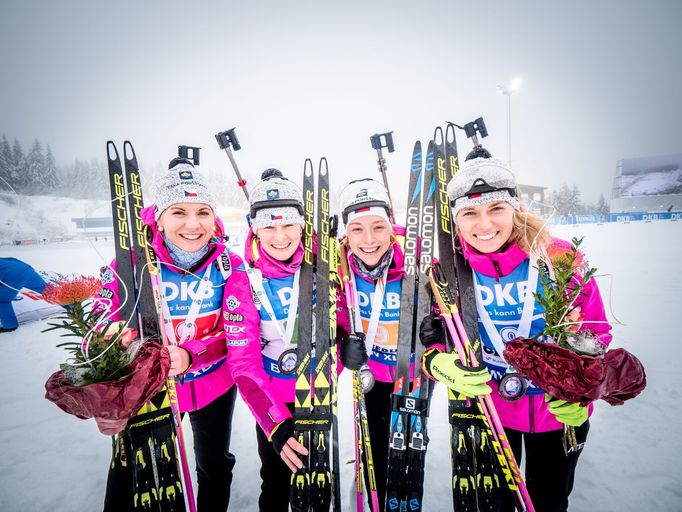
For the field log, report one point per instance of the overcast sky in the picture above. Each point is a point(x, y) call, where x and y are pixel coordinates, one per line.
point(601, 81)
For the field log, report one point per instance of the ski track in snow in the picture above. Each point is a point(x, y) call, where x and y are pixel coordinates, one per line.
point(53, 461)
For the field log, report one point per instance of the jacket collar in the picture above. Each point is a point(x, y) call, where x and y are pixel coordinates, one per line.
point(495, 264)
point(255, 256)
point(396, 270)
point(161, 251)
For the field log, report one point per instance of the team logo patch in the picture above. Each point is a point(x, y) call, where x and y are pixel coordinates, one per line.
point(272, 194)
point(232, 303)
point(107, 276)
point(225, 260)
point(185, 175)
point(106, 294)
point(235, 329)
point(361, 193)
point(233, 317)
point(237, 343)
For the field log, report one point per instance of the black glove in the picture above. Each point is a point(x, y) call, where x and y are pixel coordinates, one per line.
point(431, 330)
point(353, 351)
point(282, 435)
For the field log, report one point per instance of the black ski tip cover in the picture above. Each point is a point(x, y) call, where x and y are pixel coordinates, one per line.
point(271, 173)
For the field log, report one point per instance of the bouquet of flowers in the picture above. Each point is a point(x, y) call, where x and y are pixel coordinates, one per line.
point(567, 362)
point(110, 373)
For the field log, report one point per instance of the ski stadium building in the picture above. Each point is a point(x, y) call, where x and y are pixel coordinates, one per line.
point(648, 184)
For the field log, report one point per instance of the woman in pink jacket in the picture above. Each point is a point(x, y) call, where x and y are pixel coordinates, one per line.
point(376, 263)
point(503, 245)
point(216, 327)
point(274, 253)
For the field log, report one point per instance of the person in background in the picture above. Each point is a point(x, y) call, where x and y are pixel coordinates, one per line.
point(15, 275)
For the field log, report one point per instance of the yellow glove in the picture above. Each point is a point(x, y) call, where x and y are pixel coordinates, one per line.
point(569, 413)
point(446, 368)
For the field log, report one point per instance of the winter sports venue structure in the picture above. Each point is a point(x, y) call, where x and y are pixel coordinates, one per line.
point(648, 184)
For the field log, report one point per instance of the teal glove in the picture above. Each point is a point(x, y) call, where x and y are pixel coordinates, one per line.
point(568, 413)
point(446, 368)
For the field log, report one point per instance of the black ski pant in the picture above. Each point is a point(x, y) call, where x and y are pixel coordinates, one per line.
point(549, 470)
point(275, 475)
point(211, 430)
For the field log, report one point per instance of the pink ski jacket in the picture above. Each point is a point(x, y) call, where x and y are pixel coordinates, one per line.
point(530, 413)
point(278, 281)
point(383, 358)
point(226, 347)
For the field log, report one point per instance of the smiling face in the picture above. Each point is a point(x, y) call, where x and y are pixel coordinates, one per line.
point(187, 225)
point(369, 238)
point(486, 227)
point(280, 242)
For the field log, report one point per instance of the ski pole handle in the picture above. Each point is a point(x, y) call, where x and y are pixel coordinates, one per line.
point(379, 141)
point(382, 140)
point(227, 140)
point(189, 152)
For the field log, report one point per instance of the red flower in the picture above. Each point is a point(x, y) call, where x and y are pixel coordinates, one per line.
point(71, 290)
point(561, 256)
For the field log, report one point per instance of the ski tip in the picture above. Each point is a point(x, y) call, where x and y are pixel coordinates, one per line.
point(438, 136)
point(111, 151)
point(450, 133)
point(324, 166)
point(308, 167)
point(129, 151)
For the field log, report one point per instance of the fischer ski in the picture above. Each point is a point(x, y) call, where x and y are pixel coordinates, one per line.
point(313, 485)
point(149, 444)
point(483, 465)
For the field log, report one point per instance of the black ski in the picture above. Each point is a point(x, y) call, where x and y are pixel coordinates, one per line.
point(301, 498)
point(404, 406)
point(149, 440)
point(476, 455)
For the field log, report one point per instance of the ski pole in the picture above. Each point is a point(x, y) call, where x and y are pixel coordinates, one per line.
point(453, 322)
point(471, 129)
point(362, 426)
point(379, 141)
point(228, 140)
point(170, 388)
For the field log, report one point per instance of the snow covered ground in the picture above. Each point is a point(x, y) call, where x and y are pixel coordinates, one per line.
point(52, 461)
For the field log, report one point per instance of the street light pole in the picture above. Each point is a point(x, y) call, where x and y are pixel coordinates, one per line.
point(508, 90)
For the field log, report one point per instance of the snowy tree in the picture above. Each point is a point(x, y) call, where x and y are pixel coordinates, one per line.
point(17, 169)
point(561, 200)
point(33, 170)
point(603, 207)
point(5, 165)
point(574, 202)
point(50, 180)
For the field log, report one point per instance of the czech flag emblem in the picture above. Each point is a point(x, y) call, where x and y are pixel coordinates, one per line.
point(189, 193)
point(275, 217)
